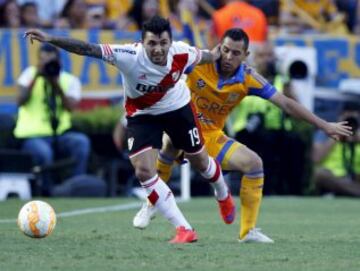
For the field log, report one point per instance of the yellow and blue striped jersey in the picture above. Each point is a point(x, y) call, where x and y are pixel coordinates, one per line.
point(214, 98)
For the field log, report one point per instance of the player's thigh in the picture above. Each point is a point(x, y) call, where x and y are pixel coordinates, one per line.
point(183, 130)
point(220, 146)
point(143, 133)
point(199, 160)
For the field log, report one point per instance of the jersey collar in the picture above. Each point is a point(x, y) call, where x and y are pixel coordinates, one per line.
point(238, 77)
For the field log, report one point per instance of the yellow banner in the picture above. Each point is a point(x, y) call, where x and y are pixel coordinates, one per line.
point(16, 54)
point(337, 57)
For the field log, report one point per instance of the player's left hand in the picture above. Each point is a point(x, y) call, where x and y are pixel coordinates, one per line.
point(36, 34)
point(336, 130)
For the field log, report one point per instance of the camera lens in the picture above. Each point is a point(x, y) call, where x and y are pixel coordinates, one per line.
point(353, 123)
point(52, 68)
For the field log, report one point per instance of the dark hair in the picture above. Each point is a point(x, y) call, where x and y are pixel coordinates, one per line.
point(48, 48)
point(23, 7)
point(3, 6)
point(156, 25)
point(237, 34)
point(66, 8)
point(135, 12)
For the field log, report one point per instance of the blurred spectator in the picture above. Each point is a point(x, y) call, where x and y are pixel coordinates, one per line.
point(357, 18)
point(338, 162)
point(48, 12)
point(47, 97)
point(269, 131)
point(9, 14)
point(118, 8)
point(73, 15)
point(108, 14)
point(29, 15)
point(357, 22)
point(243, 15)
point(96, 18)
point(207, 7)
point(322, 16)
point(185, 18)
point(349, 8)
point(143, 10)
point(271, 9)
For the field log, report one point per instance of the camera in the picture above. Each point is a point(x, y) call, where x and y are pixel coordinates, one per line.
point(352, 122)
point(52, 68)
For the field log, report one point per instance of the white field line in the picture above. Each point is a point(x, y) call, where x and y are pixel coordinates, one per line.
point(105, 209)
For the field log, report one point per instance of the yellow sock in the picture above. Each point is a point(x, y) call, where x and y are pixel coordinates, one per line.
point(250, 198)
point(164, 170)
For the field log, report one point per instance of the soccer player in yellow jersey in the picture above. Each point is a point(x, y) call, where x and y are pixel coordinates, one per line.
point(216, 89)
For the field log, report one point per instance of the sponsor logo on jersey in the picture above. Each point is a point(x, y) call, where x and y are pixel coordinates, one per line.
point(130, 143)
point(203, 119)
point(127, 51)
point(232, 98)
point(200, 84)
point(176, 75)
point(152, 89)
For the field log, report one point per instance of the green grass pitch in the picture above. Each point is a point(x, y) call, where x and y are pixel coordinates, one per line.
point(310, 234)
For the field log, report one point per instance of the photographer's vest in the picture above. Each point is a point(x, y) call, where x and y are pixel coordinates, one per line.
point(34, 115)
point(273, 115)
point(338, 160)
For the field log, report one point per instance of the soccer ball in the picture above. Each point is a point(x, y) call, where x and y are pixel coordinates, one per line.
point(36, 219)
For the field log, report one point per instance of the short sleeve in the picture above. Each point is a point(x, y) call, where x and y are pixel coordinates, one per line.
point(26, 77)
point(74, 88)
point(258, 86)
point(121, 56)
point(194, 54)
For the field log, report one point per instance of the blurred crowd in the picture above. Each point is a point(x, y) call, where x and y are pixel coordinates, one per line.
point(279, 16)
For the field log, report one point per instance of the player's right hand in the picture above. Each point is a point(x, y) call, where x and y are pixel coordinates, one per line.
point(35, 34)
point(336, 130)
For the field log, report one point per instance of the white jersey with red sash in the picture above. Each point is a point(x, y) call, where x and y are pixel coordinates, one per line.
point(150, 88)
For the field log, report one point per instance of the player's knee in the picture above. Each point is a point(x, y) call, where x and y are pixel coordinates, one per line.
point(255, 163)
point(199, 162)
point(143, 173)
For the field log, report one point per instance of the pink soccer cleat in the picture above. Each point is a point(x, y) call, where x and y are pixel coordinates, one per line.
point(184, 236)
point(227, 209)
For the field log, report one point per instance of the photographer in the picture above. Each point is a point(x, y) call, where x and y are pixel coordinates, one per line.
point(338, 162)
point(47, 97)
point(271, 132)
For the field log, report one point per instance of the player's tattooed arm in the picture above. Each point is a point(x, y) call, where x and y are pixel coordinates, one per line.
point(208, 56)
point(71, 45)
point(77, 46)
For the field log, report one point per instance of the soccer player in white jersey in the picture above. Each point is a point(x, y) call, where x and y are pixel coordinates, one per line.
point(157, 101)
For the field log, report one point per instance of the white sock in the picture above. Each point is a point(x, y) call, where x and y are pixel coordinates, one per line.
point(160, 196)
point(214, 174)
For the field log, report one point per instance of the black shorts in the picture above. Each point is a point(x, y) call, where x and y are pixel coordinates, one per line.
point(145, 131)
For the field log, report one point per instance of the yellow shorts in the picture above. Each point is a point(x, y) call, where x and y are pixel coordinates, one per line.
point(220, 146)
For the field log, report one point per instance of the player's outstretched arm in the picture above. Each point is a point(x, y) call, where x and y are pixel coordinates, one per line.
point(71, 45)
point(334, 130)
